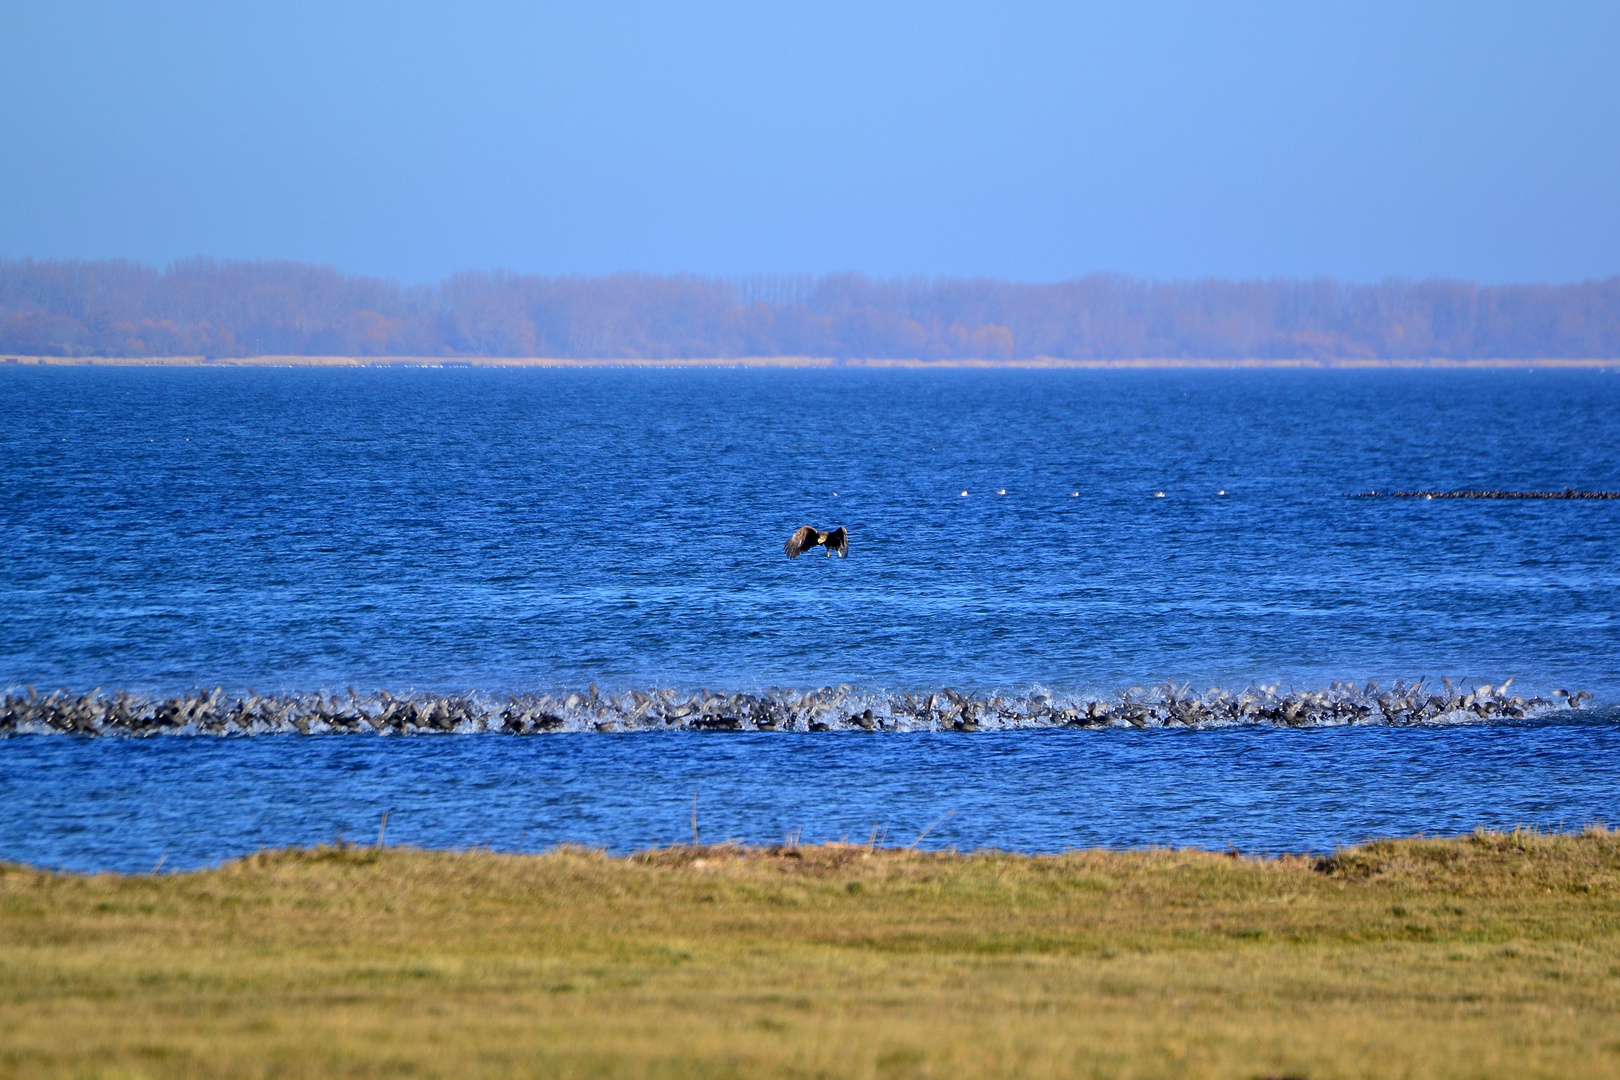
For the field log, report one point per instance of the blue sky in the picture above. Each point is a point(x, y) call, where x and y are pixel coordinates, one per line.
point(1036, 141)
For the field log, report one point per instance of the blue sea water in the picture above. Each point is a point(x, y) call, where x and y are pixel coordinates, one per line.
point(510, 530)
point(125, 804)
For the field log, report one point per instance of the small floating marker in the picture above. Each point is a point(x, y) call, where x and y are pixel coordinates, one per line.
point(1221, 492)
point(1001, 491)
point(1074, 494)
point(1158, 494)
point(964, 494)
point(835, 494)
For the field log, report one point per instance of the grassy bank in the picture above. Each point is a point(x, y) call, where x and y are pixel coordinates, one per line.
point(1491, 955)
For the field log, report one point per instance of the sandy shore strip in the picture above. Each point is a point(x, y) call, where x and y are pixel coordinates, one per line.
point(1036, 363)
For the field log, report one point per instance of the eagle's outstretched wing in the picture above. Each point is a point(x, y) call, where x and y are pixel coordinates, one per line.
point(838, 540)
point(801, 541)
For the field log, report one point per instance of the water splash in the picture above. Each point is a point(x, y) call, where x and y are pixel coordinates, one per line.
point(840, 708)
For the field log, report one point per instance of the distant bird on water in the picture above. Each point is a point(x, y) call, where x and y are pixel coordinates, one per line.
point(808, 537)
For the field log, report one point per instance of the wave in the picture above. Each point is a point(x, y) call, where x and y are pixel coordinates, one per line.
point(839, 708)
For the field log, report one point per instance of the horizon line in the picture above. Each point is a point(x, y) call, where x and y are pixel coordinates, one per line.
point(180, 263)
point(814, 362)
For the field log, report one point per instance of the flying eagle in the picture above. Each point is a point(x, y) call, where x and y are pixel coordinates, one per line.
point(808, 537)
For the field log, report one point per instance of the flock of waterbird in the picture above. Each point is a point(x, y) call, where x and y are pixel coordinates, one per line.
point(1470, 493)
point(1494, 493)
point(839, 708)
point(826, 709)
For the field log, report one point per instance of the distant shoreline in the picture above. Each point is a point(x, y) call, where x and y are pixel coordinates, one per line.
point(807, 362)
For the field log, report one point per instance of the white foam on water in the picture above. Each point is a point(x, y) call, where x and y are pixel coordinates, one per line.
point(840, 708)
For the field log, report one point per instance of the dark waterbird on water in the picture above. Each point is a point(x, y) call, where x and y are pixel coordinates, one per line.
point(1567, 493)
point(809, 536)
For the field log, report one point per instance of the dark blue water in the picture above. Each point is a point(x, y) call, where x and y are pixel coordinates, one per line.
point(511, 530)
point(455, 529)
point(126, 803)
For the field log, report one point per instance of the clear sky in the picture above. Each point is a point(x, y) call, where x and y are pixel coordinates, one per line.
point(1035, 141)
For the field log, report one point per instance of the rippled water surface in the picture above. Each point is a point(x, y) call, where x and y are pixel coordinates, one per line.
point(497, 531)
point(126, 803)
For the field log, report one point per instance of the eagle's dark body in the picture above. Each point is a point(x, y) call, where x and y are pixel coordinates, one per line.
point(808, 537)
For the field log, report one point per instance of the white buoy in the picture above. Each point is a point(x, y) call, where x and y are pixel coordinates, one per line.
point(964, 494)
point(1158, 494)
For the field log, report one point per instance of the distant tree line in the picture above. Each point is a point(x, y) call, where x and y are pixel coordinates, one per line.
point(217, 309)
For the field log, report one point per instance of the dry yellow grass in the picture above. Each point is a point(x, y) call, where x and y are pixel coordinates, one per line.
point(1490, 955)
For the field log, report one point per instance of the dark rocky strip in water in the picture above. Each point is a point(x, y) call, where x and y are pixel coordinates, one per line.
point(826, 709)
point(1567, 493)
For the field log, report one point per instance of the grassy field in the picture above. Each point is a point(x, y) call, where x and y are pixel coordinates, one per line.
point(1490, 955)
